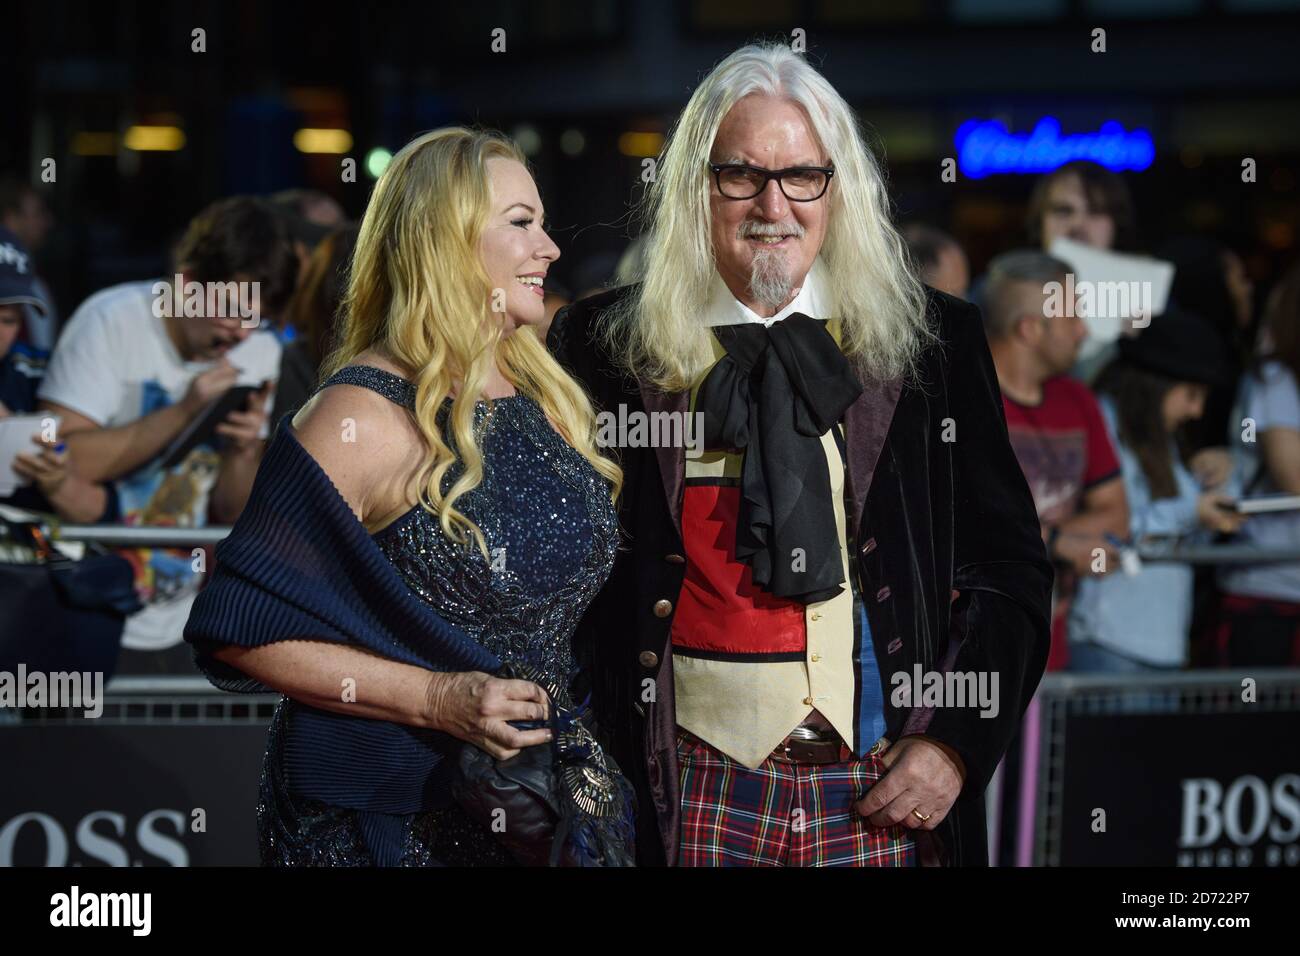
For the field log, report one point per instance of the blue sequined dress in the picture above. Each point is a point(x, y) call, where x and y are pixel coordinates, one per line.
point(551, 533)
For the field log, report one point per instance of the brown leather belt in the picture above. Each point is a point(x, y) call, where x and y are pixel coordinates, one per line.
point(827, 747)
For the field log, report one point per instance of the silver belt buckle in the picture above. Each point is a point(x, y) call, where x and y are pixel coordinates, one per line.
point(803, 732)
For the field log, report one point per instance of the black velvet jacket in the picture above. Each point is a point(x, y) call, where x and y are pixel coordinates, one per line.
point(932, 516)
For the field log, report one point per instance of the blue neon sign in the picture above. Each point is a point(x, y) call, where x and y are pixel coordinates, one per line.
point(985, 147)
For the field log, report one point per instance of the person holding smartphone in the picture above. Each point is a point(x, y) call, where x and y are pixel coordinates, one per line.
point(132, 372)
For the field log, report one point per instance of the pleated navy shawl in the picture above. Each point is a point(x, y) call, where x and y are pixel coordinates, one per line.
point(298, 565)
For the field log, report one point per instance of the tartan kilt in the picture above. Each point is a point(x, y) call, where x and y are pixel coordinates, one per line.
point(781, 814)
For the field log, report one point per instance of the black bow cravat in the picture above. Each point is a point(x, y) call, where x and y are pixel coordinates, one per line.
point(772, 396)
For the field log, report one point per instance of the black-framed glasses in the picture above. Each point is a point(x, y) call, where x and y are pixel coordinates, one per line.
point(797, 183)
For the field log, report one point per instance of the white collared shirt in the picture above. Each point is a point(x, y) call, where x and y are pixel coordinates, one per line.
point(725, 309)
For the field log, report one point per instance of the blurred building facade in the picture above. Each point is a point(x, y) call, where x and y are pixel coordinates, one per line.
point(147, 120)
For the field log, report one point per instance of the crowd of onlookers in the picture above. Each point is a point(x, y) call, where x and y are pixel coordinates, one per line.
point(1128, 446)
point(1144, 444)
point(135, 384)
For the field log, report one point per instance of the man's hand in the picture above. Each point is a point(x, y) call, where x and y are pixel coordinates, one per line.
point(208, 386)
point(921, 776)
point(243, 430)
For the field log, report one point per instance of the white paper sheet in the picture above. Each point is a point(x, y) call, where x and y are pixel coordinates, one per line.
point(1113, 289)
point(16, 434)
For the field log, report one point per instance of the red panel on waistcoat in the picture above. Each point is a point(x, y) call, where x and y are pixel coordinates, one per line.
point(720, 609)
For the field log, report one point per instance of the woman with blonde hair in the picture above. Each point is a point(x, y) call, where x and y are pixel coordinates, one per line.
point(438, 511)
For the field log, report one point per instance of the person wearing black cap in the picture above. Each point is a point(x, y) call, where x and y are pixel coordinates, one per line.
point(1140, 619)
point(21, 365)
point(25, 214)
point(1211, 280)
point(50, 483)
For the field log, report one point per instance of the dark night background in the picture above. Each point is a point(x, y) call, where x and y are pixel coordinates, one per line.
point(1214, 81)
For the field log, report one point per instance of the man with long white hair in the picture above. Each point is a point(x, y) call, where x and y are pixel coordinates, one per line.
point(832, 612)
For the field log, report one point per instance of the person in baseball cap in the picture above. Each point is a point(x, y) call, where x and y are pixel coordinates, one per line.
point(21, 367)
point(17, 277)
point(47, 481)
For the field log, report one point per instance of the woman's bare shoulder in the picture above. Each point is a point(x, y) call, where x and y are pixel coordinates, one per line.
point(363, 441)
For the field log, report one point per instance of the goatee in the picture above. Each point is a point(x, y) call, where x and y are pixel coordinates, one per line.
point(769, 279)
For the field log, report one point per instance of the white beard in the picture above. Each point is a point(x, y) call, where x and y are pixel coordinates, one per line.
point(769, 279)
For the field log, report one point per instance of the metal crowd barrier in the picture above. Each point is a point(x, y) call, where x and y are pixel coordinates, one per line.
point(166, 774)
point(142, 536)
point(134, 699)
point(145, 536)
point(1191, 768)
point(1218, 554)
point(1184, 769)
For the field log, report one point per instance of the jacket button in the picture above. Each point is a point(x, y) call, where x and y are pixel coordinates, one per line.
point(869, 545)
point(883, 593)
point(674, 559)
point(648, 659)
point(663, 608)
